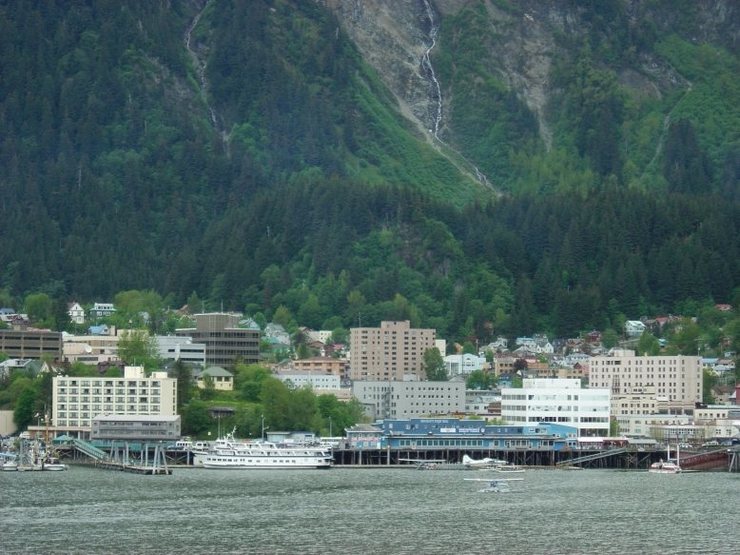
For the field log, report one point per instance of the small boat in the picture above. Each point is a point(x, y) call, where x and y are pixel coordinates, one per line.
point(53, 464)
point(9, 466)
point(668, 466)
point(509, 469)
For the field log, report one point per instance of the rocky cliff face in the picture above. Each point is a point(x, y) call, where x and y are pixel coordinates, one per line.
point(524, 39)
point(393, 36)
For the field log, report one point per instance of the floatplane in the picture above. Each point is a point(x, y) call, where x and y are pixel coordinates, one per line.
point(497, 465)
point(495, 485)
point(430, 464)
point(486, 462)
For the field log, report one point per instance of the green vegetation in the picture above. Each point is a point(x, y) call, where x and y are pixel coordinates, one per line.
point(305, 198)
point(258, 395)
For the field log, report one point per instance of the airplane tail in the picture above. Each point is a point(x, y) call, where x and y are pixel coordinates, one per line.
point(467, 459)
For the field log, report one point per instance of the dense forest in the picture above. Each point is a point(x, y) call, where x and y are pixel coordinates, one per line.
point(247, 153)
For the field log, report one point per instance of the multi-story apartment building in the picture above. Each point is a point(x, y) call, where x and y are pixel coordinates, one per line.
point(395, 399)
point(226, 343)
point(77, 400)
point(31, 344)
point(392, 352)
point(561, 401)
point(677, 379)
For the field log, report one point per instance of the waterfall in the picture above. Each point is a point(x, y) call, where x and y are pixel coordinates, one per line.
point(426, 64)
point(200, 68)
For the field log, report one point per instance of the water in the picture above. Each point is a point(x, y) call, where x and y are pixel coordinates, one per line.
point(367, 511)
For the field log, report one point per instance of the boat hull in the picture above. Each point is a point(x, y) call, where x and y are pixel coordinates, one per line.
point(240, 463)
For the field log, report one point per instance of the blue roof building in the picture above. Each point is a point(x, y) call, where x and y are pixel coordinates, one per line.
point(454, 433)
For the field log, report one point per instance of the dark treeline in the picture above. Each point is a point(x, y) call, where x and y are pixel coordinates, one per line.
point(561, 263)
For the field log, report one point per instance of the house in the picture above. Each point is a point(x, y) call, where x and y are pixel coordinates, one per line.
point(76, 313)
point(102, 329)
point(276, 336)
point(634, 328)
point(223, 380)
point(101, 310)
point(463, 364)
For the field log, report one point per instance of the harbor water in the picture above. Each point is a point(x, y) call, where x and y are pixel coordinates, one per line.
point(379, 511)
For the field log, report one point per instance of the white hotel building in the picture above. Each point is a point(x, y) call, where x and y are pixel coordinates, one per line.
point(676, 380)
point(558, 400)
point(77, 400)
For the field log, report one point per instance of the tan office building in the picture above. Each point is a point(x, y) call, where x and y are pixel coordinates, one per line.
point(675, 380)
point(226, 343)
point(392, 352)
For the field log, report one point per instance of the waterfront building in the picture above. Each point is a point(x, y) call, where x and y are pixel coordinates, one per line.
point(454, 433)
point(558, 401)
point(31, 343)
point(136, 427)
point(393, 399)
point(676, 379)
point(392, 352)
point(650, 425)
point(77, 400)
point(226, 343)
point(177, 347)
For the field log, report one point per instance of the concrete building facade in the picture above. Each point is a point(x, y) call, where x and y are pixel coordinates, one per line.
point(394, 399)
point(173, 347)
point(392, 352)
point(677, 379)
point(560, 401)
point(226, 344)
point(322, 365)
point(32, 344)
point(77, 400)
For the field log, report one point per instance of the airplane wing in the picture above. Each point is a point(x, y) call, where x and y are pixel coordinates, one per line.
point(494, 480)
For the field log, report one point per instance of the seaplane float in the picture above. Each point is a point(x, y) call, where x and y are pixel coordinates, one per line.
point(495, 485)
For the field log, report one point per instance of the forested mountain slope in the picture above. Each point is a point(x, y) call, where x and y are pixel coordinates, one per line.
point(476, 166)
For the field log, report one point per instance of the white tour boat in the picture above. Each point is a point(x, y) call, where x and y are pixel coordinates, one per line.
point(228, 453)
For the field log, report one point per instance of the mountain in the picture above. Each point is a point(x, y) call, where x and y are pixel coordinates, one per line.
point(476, 166)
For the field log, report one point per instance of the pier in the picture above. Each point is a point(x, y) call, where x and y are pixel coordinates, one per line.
point(626, 458)
point(144, 459)
point(157, 459)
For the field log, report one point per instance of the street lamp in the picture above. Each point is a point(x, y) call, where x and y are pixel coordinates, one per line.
point(330, 434)
point(262, 418)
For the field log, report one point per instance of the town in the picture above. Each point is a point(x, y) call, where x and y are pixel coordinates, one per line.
point(575, 393)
